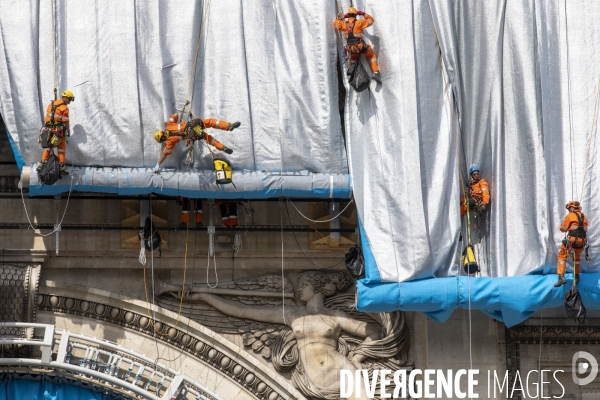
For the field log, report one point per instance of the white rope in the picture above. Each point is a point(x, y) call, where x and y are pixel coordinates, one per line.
point(57, 229)
point(470, 327)
point(208, 268)
point(142, 256)
point(237, 243)
point(325, 220)
point(282, 276)
point(152, 269)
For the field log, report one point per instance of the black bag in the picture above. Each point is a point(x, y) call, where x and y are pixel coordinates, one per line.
point(150, 236)
point(355, 262)
point(45, 135)
point(359, 79)
point(50, 173)
point(574, 306)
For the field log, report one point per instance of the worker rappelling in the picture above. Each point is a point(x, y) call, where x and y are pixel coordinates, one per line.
point(575, 226)
point(476, 199)
point(56, 130)
point(191, 131)
point(355, 45)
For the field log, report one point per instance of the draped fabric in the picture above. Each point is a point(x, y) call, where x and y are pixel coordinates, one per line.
point(40, 390)
point(518, 83)
point(510, 86)
point(272, 65)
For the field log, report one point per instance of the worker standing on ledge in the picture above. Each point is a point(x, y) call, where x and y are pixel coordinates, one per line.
point(575, 226)
point(355, 45)
point(57, 122)
point(195, 129)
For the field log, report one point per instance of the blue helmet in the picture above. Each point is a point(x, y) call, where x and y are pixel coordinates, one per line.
point(473, 168)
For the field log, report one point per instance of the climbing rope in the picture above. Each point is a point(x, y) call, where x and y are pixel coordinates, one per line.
point(153, 317)
point(318, 221)
point(592, 133)
point(193, 73)
point(282, 277)
point(57, 229)
point(339, 34)
point(463, 187)
point(572, 150)
point(208, 269)
point(53, 45)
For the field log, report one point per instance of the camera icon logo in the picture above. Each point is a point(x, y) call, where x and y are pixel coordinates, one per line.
point(590, 365)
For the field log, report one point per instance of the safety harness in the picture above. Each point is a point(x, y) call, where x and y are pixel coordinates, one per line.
point(578, 234)
point(52, 132)
point(353, 40)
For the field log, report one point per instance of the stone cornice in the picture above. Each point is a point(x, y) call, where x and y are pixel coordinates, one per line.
point(198, 342)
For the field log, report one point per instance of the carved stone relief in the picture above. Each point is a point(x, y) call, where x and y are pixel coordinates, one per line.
point(309, 337)
point(252, 381)
point(18, 291)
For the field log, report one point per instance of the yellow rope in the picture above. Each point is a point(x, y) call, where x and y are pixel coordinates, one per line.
point(182, 287)
point(193, 74)
point(592, 132)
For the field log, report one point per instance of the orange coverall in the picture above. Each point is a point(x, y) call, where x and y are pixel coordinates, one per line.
point(185, 209)
point(479, 192)
point(61, 116)
point(357, 26)
point(228, 213)
point(571, 223)
point(176, 128)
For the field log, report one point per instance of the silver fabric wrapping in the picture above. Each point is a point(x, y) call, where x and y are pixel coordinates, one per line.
point(523, 78)
point(270, 64)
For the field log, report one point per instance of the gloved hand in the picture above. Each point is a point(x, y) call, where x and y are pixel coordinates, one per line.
point(482, 208)
point(227, 150)
point(233, 125)
point(157, 169)
point(360, 13)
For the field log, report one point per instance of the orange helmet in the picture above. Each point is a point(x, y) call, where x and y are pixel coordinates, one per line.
point(352, 10)
point(574, 204)
point(173, 118)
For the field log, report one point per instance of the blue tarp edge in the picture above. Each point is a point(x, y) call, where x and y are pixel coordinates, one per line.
point(500, 298)
point(20, 161)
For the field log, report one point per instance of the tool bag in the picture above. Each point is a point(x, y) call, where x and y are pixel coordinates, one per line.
point(358, 77)
point(355, 262)
point(50, 173)
point(223, 170)
point(574, 306)
point(150, 236)
point(45, 135)
point(469, 262)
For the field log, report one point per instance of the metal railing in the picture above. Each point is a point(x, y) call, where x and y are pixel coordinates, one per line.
point(105, 363)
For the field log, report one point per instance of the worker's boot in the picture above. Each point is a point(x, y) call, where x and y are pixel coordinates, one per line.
point(63, 169)
point(227, 150)
point(41, 166)
point(377, 76)
point(234, 125)
point(576, 279)
point(561, 281)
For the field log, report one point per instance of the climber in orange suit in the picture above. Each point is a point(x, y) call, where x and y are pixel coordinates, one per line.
point(57, 120)
point(355, 44)
point(575, 226)
point(478, 193)
point(176, 131)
